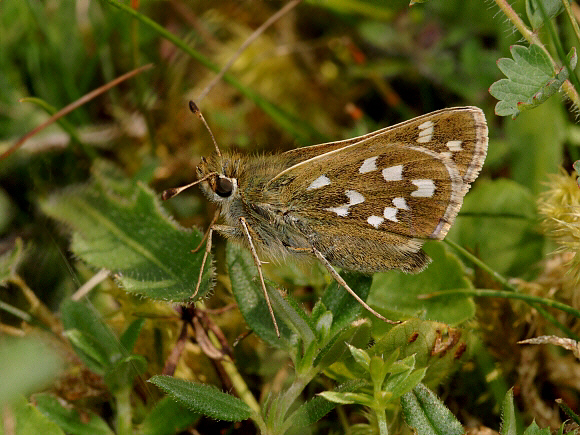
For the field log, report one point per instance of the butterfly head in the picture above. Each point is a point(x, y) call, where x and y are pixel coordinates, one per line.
point(219, 176)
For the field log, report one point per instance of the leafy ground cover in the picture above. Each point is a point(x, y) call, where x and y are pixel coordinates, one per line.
point(95, 336)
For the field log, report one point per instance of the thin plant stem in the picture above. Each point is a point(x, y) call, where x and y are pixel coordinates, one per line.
point(575, 26)
point(382, 421)
point(558, 44)
point(533, 38)
point(491, 293)
point(279, 14)
point(72, 106)
point(298, 128)
point(503, 281)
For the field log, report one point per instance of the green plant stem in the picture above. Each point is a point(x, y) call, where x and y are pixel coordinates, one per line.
point(292, 393)
point(502, 280)
point(298, 128)
point(382, 421)
point(238, 382)
point(123, 423)
point(566, 4)
point(557, 43)
point(533, 38)
point(490, 293)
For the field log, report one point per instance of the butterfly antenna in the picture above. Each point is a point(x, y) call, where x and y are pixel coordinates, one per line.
point(195, 110)
point(170, 193)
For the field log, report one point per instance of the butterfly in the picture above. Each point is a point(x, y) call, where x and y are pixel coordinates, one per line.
point(364, 204)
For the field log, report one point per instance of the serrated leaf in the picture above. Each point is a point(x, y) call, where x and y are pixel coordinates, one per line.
point(508, 415)
point(205, 399)
point(167, 418)
point(427, 414)
point(69, 419)
point(397, 294)
point(530, 81)
point(534, 429)
point(133, 238)
point(552, 9)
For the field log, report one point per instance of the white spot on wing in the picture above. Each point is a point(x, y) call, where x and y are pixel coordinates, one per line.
point(425, 131)
point(321, 181)
point(340, 211)
point(369, 165)
point(425, 188)
point(400, 203)
point(393, 173)
point(390, 213)
point(353, 198)
point(375, 221)
point(454, 145)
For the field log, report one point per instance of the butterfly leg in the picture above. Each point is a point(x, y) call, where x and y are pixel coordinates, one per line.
point(211, 225)
point(343, 283)
point(205, 255)
point(259, 266)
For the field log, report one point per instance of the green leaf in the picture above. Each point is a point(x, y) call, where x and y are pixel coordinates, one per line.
point(398, 292)
point(123, 372)
point(167, 418)
point(250, 298)
point(316, 408)
point(503, 214)
point(205, 399)
point(427, 415)
point(534, 429)
point(537, 139)
point(552, 8)
point(432, 345)
point(29, 421)
point(360, 356)
point(357, 335)
point(27, 364)
point(531, 80)
point(129, 337)
point(347, 398)
point(10, 260)
point(508, 415)
point(344, 307)
point(133, 238)
point(69, 419)
point(94, 341)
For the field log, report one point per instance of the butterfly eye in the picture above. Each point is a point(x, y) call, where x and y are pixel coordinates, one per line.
point(224, 187)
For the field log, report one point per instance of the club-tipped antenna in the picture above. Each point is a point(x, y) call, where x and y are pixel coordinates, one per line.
point(195, 110)
point(170, 193)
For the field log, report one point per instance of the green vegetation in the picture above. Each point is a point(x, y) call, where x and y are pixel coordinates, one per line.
point(95, 337)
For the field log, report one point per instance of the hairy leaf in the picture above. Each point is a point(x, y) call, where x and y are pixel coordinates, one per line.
point(427, 414)
point(133, 238)
point(530, 81)
point(205, 399)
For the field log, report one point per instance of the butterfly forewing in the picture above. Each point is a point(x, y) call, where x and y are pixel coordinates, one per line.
point(369, 202)
point(458, 133)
